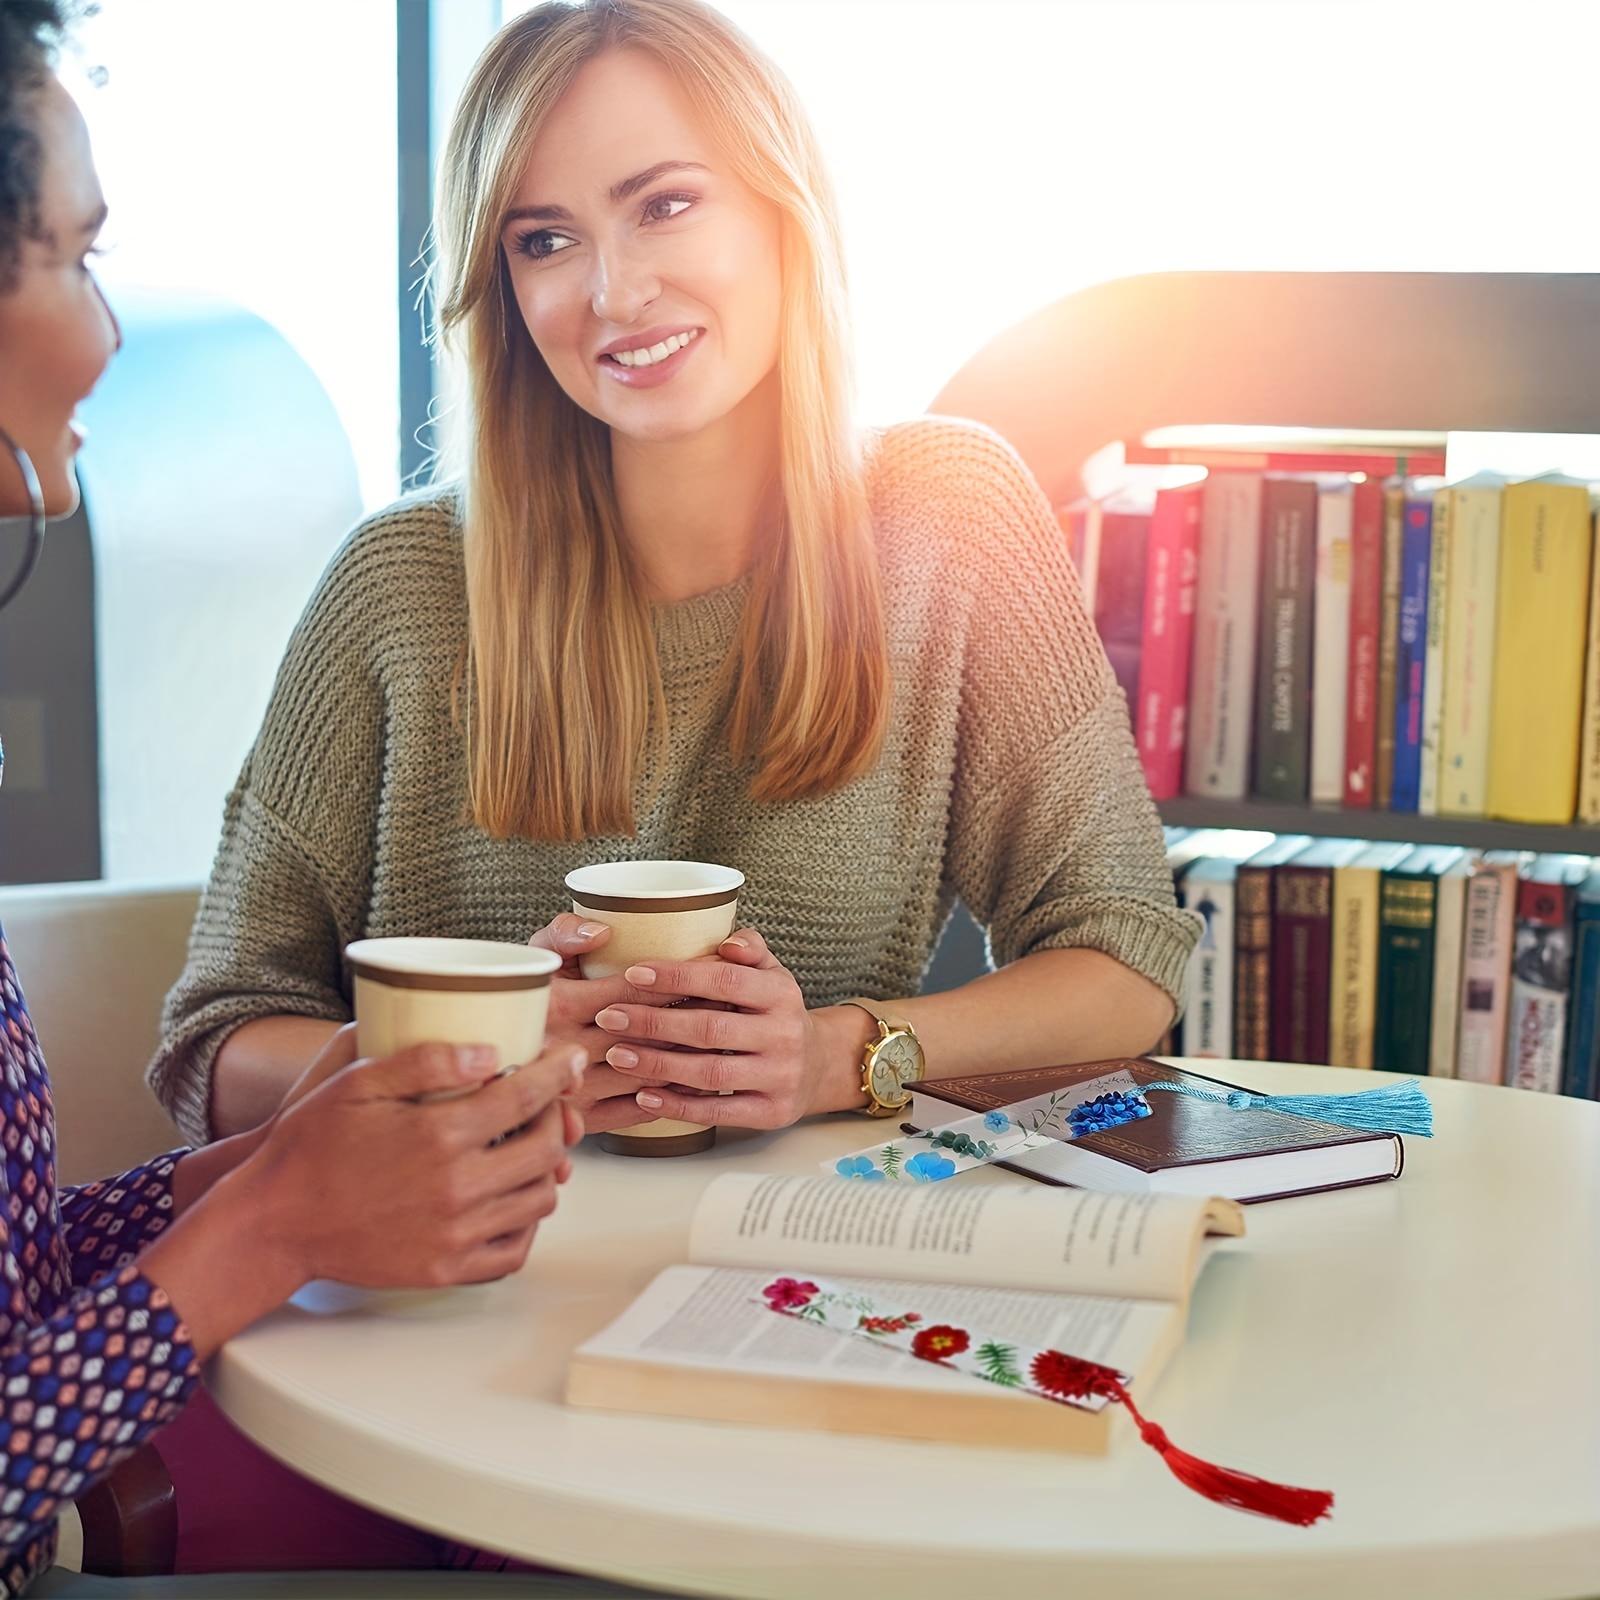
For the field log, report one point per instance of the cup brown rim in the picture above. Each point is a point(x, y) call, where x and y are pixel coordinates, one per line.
point(451, 982)
point(647, 904)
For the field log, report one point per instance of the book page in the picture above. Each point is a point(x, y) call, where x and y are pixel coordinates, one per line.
point(1015, 1236)
point(711, 1317)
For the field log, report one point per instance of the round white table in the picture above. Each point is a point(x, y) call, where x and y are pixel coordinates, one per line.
point(1429, 1349)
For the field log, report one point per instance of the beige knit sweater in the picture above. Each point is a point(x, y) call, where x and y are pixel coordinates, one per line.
point(1008, 778)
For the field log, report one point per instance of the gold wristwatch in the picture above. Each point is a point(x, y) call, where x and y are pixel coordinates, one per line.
point(890, 1064)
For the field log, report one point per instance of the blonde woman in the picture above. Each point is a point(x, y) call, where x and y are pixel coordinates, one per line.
point(674, 604)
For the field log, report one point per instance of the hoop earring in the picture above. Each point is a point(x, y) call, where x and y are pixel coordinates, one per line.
point(36, 524)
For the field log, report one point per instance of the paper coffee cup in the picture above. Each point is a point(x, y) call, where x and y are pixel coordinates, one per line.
point(451, 991)
point(663, 911)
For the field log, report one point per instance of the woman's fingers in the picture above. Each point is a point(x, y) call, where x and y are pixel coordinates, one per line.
point(751, 987)
point(746, 1110)
point(688, 1027)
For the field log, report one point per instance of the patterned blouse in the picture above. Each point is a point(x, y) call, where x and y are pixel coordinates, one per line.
point(92, 1355)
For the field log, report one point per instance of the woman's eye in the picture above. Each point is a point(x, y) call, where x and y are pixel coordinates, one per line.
point(541, 243)
point(663, 206)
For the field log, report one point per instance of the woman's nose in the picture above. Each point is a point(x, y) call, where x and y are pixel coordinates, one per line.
point(111, 316)
point(622, 285)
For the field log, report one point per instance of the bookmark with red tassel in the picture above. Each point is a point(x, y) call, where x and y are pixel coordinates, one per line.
point(1046, 1374)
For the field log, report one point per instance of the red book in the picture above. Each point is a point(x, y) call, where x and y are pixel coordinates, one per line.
point(1172, 566)
point(1302, 949)
point(1366, 608)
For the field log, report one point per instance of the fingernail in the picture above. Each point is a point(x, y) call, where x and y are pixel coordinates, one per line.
point(640, 977)
point(587, 930)
point(621, 1056)
point(474, 1060)
point(738, 944)
point(611, 1018)
point(577, 1062)
point(650, 1101)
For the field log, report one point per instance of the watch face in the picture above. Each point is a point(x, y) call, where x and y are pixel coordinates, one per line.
point(898, 1062)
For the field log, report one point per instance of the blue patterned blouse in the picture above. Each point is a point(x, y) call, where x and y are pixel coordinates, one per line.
point(92, 1355)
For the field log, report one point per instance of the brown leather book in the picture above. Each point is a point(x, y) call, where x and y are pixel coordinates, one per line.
point(1302, 950)
point(1252, 947)
point(1185, 1145)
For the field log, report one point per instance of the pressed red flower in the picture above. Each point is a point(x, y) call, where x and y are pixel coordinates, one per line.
point(939, 1343)
point(789, 1294)
point(1070, 1377)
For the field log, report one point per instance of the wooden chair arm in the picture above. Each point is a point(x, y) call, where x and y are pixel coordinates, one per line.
point(130, 1519)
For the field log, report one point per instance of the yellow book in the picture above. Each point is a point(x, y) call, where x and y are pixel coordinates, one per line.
point(1353, 971)
point(1469, 645)
point(1540, 633)
point(1589, 755)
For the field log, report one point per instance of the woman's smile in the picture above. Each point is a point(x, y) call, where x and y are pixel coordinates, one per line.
point(647, 360)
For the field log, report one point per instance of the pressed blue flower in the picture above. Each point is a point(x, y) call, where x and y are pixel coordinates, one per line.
point(858, 1167)
point(1106, 1111)
point(996, 1121)
point(927, 1167)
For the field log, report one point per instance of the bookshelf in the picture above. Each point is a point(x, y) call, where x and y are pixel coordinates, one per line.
point(1402, 352)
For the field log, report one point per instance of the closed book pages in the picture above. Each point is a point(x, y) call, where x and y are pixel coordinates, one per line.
point(1394, 505)
point(1411, 644)
point(1330, 643)
point(1185, 1145)
point(1353, 979)
point(1582, 1074)
point(1302, 948)
point(1167, 640)
point(1589, 741)
point(1540, 632)
point(1449, 932)
point(1283, 672)
point(1541, 972)
point(1467, 682)
point(1407, 906)
point(1366, 608)
point(1120, 587)
point(1252, 947)
point(1433, 658)
point(1222, 682)
point(1491, 908)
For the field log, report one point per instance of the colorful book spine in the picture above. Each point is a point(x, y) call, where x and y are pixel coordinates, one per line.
point(1366, 611)
point(1302, 949)
point(1353, 976)
point(1283, 681)
point(1119, 591)
point(1388, 642)
point(1582, 1072)
point(1540, 633)
point(1330, 643)
point(1407, 906)
point(1468, 677)
point(1209, 891)
point(1449, 935)
point(1167, 638)
point(1433, 663)
point(1411, 643)
point(1217, 763)
point(1491, 902)
point(1589, 744)
point(1541, 973)
point(1252, 947)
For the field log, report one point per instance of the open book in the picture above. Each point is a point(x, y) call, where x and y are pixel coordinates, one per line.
point(1101, 1276)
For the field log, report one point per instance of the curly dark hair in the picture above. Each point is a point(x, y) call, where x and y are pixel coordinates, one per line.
point(30, 32)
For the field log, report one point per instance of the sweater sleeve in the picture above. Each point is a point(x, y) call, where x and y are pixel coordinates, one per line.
point(291, 880)
point(1055, 842)
point(82, 1391)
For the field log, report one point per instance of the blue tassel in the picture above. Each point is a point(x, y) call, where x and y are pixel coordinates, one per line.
point(1394, 1108)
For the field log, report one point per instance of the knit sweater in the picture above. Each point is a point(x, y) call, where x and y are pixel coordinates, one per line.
point(1008, 775)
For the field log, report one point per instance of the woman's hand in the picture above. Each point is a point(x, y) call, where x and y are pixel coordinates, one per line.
point(764, 1060)
point(605, 1097)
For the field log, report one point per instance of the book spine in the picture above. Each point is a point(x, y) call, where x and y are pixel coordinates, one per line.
point(1208, 984)
point(1167, 637)
point(1353, 978)
point(1468, 680)
point(1589, 749)
point(1330, 641)
point(1302, 937)
point(1283, 684)
point(1119, 597)
point(1388, 644)
point(1252, 964)
point(1411, 642)
point(1366, 609)
point(1541, 630)
point(1405, 973)
point(1486, 973)
point(1217, 762)
point(1433, 661)
point(1448, 927)
point(1582, 1073)
point(1541, 973)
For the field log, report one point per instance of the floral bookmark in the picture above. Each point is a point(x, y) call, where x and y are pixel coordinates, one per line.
point(1044, 1374)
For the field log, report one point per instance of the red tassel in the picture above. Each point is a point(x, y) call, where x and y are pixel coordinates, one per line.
point(1241, 1490)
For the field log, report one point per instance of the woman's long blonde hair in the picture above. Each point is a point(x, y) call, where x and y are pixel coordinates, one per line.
point(563, 686)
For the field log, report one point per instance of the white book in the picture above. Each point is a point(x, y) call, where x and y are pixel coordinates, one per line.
point(1330, 636)
point(1467, 680)
point(1208, 889)
point(1433, 656)
point(1449, 937)
point(1491, 903)
point(1222, 680)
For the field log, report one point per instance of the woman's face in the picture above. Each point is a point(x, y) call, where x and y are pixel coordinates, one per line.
point(648, 274)
point(56, 331)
